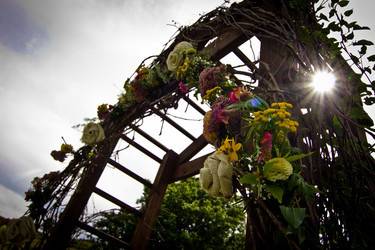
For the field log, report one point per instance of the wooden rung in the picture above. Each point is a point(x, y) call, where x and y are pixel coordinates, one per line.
point(102, 235)
point(192, 149)
point(244, 59)
point(188, 169)
point(130, 173)
point(140, 148)
point(150, 138)
point(116, 201)
point(193, 104)
point(173, 123)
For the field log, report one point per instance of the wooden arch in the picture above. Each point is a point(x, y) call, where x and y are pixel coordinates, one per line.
point(282, 57)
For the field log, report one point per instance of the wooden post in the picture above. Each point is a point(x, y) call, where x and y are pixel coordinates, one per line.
point(144, 227)
point(61, 234)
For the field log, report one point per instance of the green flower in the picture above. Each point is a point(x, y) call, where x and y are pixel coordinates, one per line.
point(92, 134)
point(277, 169)
point(176, 57)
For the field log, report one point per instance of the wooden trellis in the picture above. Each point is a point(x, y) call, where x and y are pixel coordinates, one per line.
point(217, 34)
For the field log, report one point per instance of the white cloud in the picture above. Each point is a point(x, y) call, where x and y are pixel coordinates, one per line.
point(11, 203)
point(89, 49)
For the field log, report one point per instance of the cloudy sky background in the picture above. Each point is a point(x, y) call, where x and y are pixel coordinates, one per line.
point(60, 59)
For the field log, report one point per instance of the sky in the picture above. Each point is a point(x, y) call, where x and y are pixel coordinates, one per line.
point(60, 59)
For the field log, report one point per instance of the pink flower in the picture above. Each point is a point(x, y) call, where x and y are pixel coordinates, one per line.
point(239, 94)
point(209, 78)
point(182, 88)
point(265, 147)
point(232, 97)
point(219, 113)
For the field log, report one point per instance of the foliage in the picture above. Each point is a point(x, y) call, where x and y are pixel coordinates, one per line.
point(264, 147)
point(17, 234)
point(189, 218)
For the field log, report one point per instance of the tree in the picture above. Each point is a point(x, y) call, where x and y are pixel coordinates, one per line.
point(189, 218)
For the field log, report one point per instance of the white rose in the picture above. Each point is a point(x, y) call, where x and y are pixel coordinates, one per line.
point(92, 134)
point(216, 175)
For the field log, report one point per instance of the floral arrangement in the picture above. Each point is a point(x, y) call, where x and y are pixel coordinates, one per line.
point(249, 135)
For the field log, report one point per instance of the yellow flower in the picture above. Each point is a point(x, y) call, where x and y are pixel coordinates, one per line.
point(66, 148)
point(211, 93)
point(282, 105)
point(181, 70)
point(230, 147)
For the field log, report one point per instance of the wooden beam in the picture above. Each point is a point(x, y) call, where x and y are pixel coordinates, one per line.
point(61, 233)
point(144, 227)
point(224, 44)
point(103, 235)
point(245, 59)
point(189, 169)
point(150, 138)
point(193, 104)
point(130, 173)
point(140, 148)
point(116, 201)
point(173, 123)
point(192, 149)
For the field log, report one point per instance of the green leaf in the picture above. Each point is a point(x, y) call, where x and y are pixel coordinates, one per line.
point(323, 17)
point(249, 179)
point(294, 216)
point(363, 50)
point(369, 100)
point(354, 58)
point(276, 191)
point(358, 27)
point(350, 36)
point(343, 3)
point(371, 58)
point(298, 157)
point(363, 42)
point(319, 8)
point(358, 114)
point(348, 12)
point(332, 13)
point(334, 26)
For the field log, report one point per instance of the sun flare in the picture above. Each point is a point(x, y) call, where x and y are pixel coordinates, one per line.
point(323, 82)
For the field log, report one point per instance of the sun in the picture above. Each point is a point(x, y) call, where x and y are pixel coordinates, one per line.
point(323, 82)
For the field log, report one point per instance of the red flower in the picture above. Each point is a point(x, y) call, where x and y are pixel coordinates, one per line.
point(182, 88)
point(265, 147)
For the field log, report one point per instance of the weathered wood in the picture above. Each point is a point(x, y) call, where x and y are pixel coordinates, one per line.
point(194, 105)
point(188, 169)
point(173, 123)
point(130, 173)
point(224, 44)
point(61, 234)
point(140, 148)
point(150, 138)
point(144, 227)
point(245, 59)
point(103, 235)
point(192, 149)
point(116, 201)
